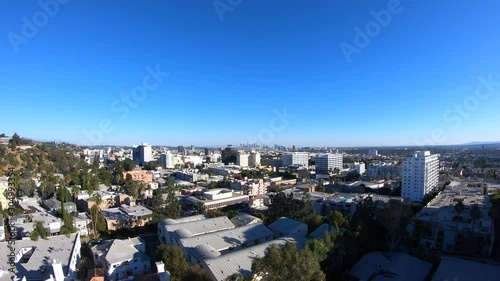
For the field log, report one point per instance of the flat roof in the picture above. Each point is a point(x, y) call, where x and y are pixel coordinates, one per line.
point(230, 238)
point(38, 266)
point(459, 269)
point(240, 261)
point(202, 226)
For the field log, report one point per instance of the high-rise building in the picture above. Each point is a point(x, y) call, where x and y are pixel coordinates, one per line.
point(254, 159)
point(295, 159)
point(142, 153)
point(167, 160)
point(420, 175)
point(242, 159)
point(181, 150)
point(326, 163)
point(373, 152)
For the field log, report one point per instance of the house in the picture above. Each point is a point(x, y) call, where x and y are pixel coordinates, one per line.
point(122, 258)
point(390, 266)
point(322, 230)
point(53, 205)
point(288, 227)
point(38, 260)
point(126, 216)
point(81, 222)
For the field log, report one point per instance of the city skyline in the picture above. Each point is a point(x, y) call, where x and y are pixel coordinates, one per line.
point(301, 74)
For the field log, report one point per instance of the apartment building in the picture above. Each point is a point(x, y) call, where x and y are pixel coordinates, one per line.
point(327, 163)
point(444, 227)
point(295, 159)
point(420, 175)
point(254, 159)
point(242, 159)
point(383, 170)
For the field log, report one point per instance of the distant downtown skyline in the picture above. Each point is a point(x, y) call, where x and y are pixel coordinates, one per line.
point(331, 73)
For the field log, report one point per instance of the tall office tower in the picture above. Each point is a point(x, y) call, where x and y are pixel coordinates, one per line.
point(295, 159)
point(254, 159)
point(207, 152)
point(181, 150)
point(142, 153)
point(420, 175)
point(326, 163)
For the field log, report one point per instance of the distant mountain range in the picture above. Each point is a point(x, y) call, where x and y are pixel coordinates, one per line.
point(482, 143)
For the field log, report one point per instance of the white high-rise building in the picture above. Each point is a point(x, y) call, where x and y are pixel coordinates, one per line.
point(167, 160)
point(145, 153)
point(242, 159)
point(254, 159)
point(420, 175)
point(295, 159)
point(326, 163)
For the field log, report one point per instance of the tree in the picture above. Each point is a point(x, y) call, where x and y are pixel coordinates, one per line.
point(172, 206)
point(287, 263)
point(26, 187)
point(128, 164)
point(459, 208)
point(286, 206)
point(68, 227)
point(75, 191)
point(475, 214)
point(173, 259)
point(98, 222)
point(105, 177)
point(39, 231)
point(195, 273)
point(48, 189)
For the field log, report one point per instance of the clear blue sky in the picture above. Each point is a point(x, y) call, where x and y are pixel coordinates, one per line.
point(227, 76)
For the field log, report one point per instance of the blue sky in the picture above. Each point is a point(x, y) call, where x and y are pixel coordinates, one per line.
point(227, 77)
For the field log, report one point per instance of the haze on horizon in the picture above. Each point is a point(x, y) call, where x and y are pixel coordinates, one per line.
point(341, 73)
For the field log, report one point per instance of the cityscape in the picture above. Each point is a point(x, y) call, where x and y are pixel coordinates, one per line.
point(237, 140)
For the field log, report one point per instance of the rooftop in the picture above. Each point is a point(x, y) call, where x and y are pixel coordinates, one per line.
point(193, 228)
point(38, 266)
point(458, 269)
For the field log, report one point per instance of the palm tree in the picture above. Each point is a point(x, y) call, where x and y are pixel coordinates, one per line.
point(75, 191)
point(459, 208)
point(94, 212)
point(475, 214)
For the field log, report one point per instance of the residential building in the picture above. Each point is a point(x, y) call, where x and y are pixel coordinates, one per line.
point(458, 269)
point(242, 159)
point(122, 258)
point(254, 159)
point(218, 198)
point(171, 231)
point(191, 175)
point(55, 258)
point(295, 159)
point(140, 175)
point(4, 186)
point(373, 152)
point(420, 175)
point(390, 266)
point(198, 248)
point(53, 205)
point(240, 262)
point(243, 219)
point(441, 227)
point(250, 187)
point(285, 227)
point(142, 153)
point(167, 160)
point(383, 171)
point(82, 222)
point(327, 163)
point(126, 216)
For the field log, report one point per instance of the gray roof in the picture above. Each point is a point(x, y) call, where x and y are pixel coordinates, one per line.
point(116, 251)
point(239, 261)
point(378, 266)
point(243, 219)
point(230, 238)
point(321, 230)
point(202, 226)
point(286, 225)
point(38, 267)
point(137, 211)
point(458, 269)
point(184, 219)
point(114, 214)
